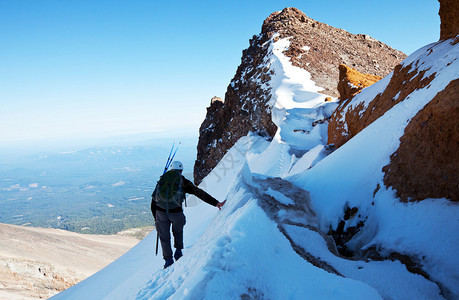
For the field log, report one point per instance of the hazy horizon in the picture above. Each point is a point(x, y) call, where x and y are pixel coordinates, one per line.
point(9, 152)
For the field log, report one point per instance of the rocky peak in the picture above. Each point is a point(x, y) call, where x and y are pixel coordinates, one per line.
point(320, 48)
point(290, 16)
point(316, 47)
point(449, 17)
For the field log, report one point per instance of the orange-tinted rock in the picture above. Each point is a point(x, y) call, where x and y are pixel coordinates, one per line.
point(348, 120)
point(352, 81)
point(426, 163)
point(449, 17)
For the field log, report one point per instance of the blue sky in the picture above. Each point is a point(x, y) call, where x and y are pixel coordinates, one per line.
point(71, 69)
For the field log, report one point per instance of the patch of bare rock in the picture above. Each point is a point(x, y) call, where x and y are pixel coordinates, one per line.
point(36, 263)
point(427, 162)
point(449, 17)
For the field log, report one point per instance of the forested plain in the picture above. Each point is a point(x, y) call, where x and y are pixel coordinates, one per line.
point(98, 190)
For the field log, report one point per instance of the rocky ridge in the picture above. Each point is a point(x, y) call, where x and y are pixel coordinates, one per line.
point(427, 149)
point(315, 47)
point(354, 115)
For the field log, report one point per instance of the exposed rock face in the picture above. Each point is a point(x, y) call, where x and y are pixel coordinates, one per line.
point(351, 81)
point(427, 162)
point(314, 46)
point(349, 118)
point(244, 109)
point(449, 16)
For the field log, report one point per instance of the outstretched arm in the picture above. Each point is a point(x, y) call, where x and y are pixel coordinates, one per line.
point(190, 188)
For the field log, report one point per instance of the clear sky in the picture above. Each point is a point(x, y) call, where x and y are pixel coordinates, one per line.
point(97, 68)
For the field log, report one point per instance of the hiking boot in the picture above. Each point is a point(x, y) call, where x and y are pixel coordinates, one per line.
point(169, 262)
point(178, 254)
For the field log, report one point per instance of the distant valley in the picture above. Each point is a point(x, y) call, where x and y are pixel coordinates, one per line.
point(97, 190)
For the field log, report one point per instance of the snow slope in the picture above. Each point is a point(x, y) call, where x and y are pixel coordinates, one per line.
point(426, 230)
point(269, 241)
point(223, 258)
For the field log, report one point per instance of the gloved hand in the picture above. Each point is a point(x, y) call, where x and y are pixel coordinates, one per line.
point(220, 204)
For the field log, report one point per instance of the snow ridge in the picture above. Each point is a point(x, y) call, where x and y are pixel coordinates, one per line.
point(270, 240)
point(297, 106)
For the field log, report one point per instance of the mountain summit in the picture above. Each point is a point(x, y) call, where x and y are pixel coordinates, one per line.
point(313, 46)
point(305, 218)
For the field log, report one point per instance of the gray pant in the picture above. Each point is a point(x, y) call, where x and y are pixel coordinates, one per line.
point(163, 225)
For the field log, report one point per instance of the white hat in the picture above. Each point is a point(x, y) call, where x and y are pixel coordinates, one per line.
point(176, 165)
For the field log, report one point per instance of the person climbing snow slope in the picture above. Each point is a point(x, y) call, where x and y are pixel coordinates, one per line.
point(166, 206)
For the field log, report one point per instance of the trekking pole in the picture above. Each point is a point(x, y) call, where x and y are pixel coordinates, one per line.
point(157, 240)
point(168, 163)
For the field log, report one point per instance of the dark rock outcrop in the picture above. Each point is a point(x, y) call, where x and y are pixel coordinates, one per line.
point(314, 46)
point(449, 17)
point(244, 109)
point(427, 162)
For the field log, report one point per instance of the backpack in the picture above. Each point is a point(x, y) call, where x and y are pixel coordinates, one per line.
point(168, 193)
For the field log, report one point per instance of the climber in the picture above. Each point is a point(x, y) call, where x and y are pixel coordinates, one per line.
point(166, 206)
